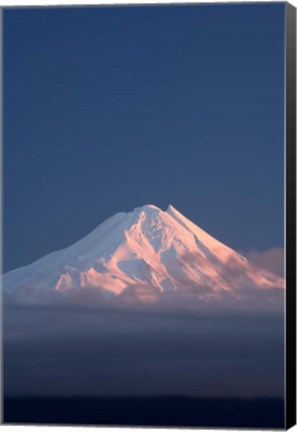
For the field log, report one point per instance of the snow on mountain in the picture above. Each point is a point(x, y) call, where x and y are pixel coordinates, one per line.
point(141, 255)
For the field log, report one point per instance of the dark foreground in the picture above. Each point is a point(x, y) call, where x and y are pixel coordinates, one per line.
point(147, 411)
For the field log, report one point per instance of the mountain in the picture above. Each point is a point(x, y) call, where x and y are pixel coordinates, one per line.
point(141, 256)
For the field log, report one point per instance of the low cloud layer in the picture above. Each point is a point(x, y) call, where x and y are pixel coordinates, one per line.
point(83, 352)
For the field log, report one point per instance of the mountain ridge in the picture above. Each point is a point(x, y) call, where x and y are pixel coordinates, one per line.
point(141, 255)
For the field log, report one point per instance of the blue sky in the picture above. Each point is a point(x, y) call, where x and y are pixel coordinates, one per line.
point(106, 109)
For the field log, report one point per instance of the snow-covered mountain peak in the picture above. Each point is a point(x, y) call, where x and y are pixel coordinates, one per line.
point(147, 208)
point(171, 209)
point(148, 249)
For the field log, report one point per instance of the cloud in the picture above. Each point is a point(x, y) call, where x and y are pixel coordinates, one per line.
point(85, 352)
point(178, 345)
point(271, 259)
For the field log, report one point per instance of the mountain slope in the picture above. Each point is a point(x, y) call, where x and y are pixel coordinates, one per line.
point(141, 255)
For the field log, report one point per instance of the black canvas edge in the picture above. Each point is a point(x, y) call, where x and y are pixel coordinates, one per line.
point(1, 221)
point(290, 233)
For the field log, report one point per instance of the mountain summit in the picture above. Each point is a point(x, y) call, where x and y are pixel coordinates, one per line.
point(146, 251)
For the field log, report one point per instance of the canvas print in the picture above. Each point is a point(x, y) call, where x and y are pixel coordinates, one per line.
point(143, 278)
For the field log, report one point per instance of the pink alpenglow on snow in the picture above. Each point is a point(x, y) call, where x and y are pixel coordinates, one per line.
point(143, 256)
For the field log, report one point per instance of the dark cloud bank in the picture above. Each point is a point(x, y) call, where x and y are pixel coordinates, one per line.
point(202, 353)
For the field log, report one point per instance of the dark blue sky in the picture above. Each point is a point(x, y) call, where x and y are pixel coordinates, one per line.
point(106, 109)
